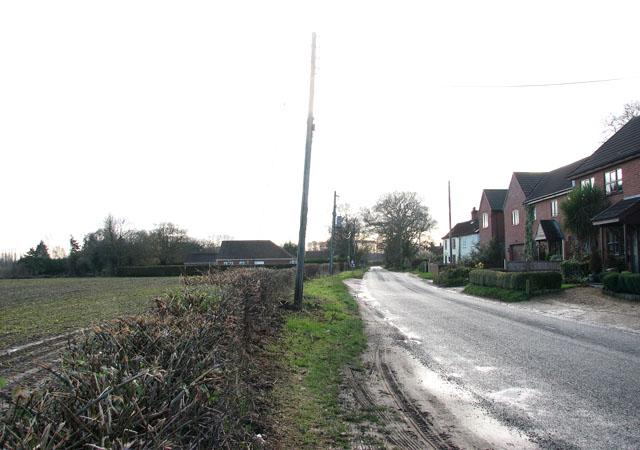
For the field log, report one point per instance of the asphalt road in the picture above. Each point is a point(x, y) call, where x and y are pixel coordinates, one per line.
point(565, 384)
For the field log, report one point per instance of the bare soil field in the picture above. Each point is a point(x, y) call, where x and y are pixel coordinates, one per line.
point(39, 316)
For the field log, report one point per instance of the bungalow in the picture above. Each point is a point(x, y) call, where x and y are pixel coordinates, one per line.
point(464, 237)
point(615, 168)
point(253, 253)
point(201, 259)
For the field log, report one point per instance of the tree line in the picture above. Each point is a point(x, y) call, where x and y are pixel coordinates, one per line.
point(113, 245)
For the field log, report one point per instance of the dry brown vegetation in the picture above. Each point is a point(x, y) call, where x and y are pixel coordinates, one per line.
point(192, 373)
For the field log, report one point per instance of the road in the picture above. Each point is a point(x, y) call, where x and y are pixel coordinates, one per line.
point(562, 384)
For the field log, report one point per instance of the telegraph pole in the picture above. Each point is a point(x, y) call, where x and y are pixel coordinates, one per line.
point(333, 232)
point(305, 184)
point(450, 238)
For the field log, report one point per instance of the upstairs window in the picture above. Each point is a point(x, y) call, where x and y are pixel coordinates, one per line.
point(554, 208)
point(454, 243)
point(485, 220)
point(535, 215)
point(613, 181)
point(587, 182)
point(515, 217)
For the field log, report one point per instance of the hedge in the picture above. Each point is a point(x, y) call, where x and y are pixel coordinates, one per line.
point(574, 271)
point(516, 281)
point(622, 282)
point(453, 277)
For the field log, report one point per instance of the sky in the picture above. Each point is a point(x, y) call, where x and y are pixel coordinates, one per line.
point(195, 112)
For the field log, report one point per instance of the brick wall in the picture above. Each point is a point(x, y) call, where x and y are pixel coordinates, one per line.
point(513, 234)
point(495, 227)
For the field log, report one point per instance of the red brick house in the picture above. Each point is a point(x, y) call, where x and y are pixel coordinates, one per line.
point(253, 253)
point(546, 197)
point(520, 187)
point(615, 168)
point(491, 215)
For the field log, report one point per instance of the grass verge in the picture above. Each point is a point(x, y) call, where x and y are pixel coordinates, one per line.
point(318, 340)
point(36, 308)
point(506, 295)
point(425, 275)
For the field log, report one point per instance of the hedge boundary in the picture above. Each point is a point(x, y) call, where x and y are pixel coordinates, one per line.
point(517, 281)
point(628, 283)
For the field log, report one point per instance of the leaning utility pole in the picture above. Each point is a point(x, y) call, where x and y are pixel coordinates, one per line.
point(333, 232)
point(305, 184)
point(450, 237)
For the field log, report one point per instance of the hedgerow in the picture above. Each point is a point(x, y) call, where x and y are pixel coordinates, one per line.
point(183, 376)
point(538, 281)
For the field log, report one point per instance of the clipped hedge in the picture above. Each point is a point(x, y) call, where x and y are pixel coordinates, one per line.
point(516, 281)
point(574, 271)
point(453, 277)
point(622, 282)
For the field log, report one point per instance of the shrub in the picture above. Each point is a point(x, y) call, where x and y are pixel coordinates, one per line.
point(458, 276)
point(595, 263)
point(622, 282)
point(574, 271)
point(517, 281)
point(497, 293)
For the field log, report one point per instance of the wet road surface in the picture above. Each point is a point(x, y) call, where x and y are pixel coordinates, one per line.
point(565, 384)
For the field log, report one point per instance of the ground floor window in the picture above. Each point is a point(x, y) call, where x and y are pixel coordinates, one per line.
point(614, 241)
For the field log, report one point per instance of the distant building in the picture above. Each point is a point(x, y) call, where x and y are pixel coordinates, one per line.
point(464, 237)
point(253, 253)
point(201, 259)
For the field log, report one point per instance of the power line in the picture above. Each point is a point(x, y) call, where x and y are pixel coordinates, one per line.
point(567, 83)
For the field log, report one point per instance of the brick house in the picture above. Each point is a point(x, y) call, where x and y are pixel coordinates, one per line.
point(464, 237)
point(520, 187)
point(546, 197)
point(253, 253)
point(615, 168)
point(491, 216)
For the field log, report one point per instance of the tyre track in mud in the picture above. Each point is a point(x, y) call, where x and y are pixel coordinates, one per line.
point(22, 366)
point(404, 426)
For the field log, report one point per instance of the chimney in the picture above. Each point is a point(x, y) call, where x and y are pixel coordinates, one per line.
point(474, 214)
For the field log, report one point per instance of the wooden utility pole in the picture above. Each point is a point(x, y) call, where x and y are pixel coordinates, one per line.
point(333, 232)
point(305, 184)
point(450, 237)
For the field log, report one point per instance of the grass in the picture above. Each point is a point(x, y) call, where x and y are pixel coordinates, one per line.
point(318, 340)
point(425, 275)
point(36, 308)
point(569, 285)
point(506, 295)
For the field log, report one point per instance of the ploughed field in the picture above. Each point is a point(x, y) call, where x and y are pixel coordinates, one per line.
point(34, 309)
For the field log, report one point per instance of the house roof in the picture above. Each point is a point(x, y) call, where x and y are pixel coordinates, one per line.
point(623, 145)
point(618, 211)
point(252, 250)
point(201, 258)
point(548, 230)
point(496, 198)
point(528, 180)
point(464, 229)
point(555, 182)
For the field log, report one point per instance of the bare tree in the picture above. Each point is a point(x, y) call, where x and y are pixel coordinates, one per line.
point(401, 222)
point(613, 123)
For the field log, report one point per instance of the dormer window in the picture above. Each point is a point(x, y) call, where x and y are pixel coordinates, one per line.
point(613, 181)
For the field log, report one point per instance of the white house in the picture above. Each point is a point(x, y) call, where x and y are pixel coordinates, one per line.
point(464, 237)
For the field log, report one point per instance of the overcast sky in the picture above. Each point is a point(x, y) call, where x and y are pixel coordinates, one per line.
point(195, 112)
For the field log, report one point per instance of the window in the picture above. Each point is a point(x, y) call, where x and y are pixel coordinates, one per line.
point(515, 217)
point(464, 243)
point(614, 241)
point(485, 220)
point(454, 243)
point(554, 208)
point(613, 181)
point(587, 182)
point(534, 213)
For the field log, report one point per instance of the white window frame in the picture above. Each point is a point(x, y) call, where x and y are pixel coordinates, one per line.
point(535, 215)
point(515, 217)
point(588, 182)
point(485, 220)
point(613, 181)
point(554, 208)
